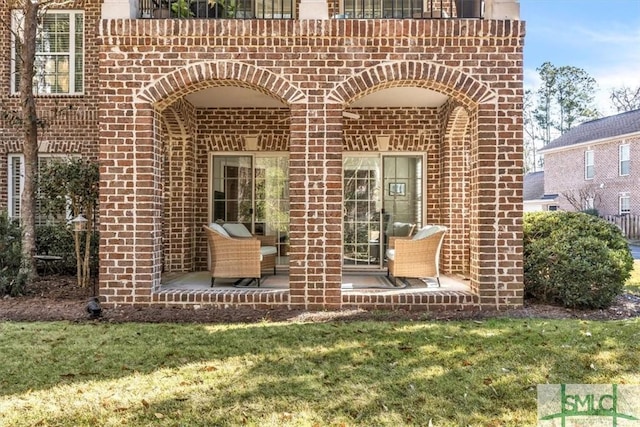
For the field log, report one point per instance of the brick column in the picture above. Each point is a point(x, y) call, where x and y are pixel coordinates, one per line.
point(315, 169)
point(502, 9)
point(496, 208)
point(119, 9)
point(313, 9)
point(130, 203)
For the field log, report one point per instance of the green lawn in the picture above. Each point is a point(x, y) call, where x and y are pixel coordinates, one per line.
point(633, 284)
point(296, 374)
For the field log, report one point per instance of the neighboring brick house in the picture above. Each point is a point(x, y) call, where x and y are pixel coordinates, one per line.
point(311, 128)
point(533, 195)
point(597, 165)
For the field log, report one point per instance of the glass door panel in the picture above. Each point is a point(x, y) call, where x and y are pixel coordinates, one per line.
point(382, 198)
point(232, 190)
point(361, 241)
point(272, 200)
point(254, 191)
point(402, 204)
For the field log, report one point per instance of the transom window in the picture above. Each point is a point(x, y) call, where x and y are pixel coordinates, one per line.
point(59, 62)
point(624, 159)
point(589, 169)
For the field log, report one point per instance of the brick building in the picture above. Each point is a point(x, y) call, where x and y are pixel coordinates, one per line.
point(595, 165)
point(317, 122)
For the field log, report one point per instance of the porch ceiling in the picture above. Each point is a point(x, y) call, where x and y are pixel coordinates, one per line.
point(238, 97)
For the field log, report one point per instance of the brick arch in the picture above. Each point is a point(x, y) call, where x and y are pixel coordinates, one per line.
point(192, 78)
point(458, 124)
point(460, 86)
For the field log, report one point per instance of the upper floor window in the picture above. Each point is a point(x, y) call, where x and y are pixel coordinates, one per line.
point(625, 203)
point(59, 61)
point(589, 169)
point(624, 159)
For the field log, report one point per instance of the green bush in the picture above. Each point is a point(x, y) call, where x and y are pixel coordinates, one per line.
point(12, 281)
point(58, 240)
point(574, 259)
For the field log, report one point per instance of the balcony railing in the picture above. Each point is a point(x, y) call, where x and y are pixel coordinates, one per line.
point(216, 9)
point(284, 9)
point(416, 9)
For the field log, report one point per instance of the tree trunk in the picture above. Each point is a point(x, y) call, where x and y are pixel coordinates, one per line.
point(86, 269)
point(76, 240)
point(30, 148)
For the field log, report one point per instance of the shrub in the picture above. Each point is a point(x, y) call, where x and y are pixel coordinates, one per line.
point(12, 281)
point(574, 259)
point(57, 240)
point(593, 212)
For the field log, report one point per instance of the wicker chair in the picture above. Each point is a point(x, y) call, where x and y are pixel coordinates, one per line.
point(418, 256)
point(237, 257)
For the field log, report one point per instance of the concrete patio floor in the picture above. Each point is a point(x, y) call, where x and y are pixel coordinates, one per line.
point(351, 282)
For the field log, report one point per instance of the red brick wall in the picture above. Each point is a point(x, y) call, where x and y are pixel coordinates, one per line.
point(317, 68)
point(564, 173)
point(71, 122)
point(153, 145)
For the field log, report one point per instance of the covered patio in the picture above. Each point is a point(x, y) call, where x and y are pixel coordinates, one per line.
point(327, 166)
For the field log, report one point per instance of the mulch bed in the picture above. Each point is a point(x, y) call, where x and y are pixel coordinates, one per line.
point(59, 298)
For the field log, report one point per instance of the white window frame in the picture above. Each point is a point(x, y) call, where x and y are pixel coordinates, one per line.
point(589, 165)
point(589, 203)
point(624, 203)
point(72, 53)
point(12, 203)
point(624, 159)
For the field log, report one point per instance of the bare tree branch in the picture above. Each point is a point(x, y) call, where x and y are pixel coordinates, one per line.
point(625, 98)
point(587, 197)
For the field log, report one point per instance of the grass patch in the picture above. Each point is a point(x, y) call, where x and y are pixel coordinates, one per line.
point(286, 374)
point(633, 283)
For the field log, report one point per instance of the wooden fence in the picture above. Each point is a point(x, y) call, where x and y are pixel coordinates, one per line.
point(629, 224)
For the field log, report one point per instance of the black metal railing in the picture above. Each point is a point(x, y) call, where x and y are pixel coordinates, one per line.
point(284, 9)
point(417, 9)
point(216, 9)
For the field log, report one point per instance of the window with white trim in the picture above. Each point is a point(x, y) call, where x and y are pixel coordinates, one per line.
point(624, 159)
point(16, 183)
point(589, 203)
point(624, 201)
point(589, 168)
point(59, 62)
point(15, 179)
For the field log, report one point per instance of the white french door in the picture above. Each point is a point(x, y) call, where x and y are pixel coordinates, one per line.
point(253, 189)
point(383, 196)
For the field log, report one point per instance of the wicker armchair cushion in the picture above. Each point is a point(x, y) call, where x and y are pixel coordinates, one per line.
point(237, 230)
point(399, 229)
point(267, 250)
point(218, 228)
point(426, 231)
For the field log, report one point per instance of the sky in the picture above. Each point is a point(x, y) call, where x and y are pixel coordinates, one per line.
point(600, 36)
